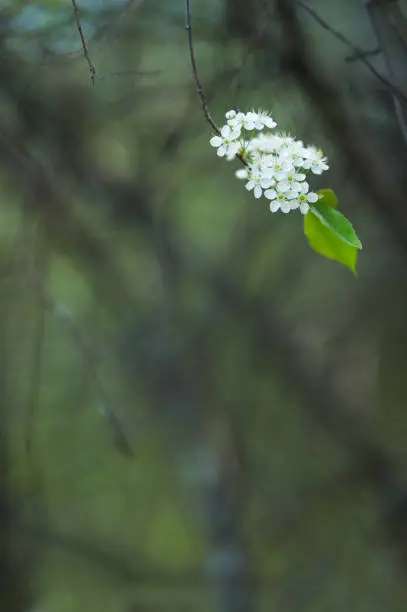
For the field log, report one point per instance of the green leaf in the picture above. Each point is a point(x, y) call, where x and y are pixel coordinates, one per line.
point(326, 243)
point(329, 233)
point(329, 197)
point(335, 222)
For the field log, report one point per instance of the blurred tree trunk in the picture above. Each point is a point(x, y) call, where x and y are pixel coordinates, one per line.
point(15, 592)
point(227, 562)
point(390, 28)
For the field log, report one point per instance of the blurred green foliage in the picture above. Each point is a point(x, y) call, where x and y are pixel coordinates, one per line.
point(257, 384)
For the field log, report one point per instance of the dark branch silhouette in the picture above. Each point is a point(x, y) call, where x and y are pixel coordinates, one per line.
point(357, 51)
point(198, 85)
point(92, 69)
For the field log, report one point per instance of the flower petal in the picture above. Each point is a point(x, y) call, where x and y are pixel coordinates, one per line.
point(270, 194)
point(312, 197)
point(216, 141)
point(257, 192)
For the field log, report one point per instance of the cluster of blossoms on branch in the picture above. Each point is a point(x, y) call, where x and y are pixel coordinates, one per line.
point(276, 165)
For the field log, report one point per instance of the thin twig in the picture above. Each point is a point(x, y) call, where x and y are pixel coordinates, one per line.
point(100, 36)
point(371, 176)
point(199, 89)
point(92, 68)
point(357, 56)
point(198, 85)
point(103, 77)
point(355, 49)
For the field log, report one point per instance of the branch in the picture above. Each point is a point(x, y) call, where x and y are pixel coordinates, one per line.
point(356, 56)
point(357, 51)
point(92, 68)
point(372, 177)
point(198, 85)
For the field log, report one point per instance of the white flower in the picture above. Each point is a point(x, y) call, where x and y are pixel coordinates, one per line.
point(267, 121)
point(303, 199)
point(250, 121)
point(286, 140)
point(289, 181)
point(275, 165)
point(244, 121)
point(266, 143)
point(280, 166)
point(227, 142)
point(293, 150)
point(278, 201)
point(231, 114)
point(314, 160)
point(234, 119)
point(258, 121)
point(258, 181)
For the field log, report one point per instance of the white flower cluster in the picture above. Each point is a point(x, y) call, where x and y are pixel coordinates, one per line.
point(276, 165)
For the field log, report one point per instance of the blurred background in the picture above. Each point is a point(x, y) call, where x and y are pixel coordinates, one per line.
point(197, 411)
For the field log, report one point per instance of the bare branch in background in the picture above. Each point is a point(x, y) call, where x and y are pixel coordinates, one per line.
point(356, 56)
point(357, 51)
point(371, 177)
point(389, 27)
point(92, 68)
